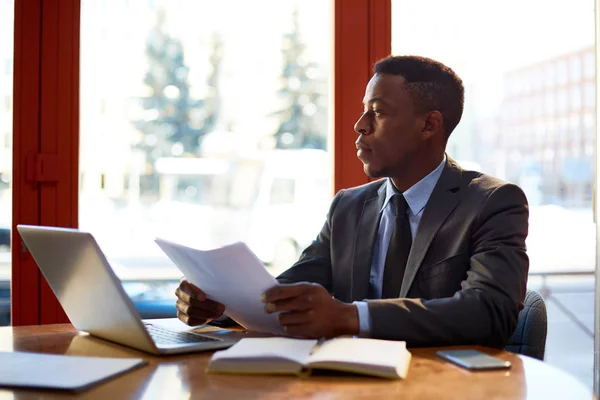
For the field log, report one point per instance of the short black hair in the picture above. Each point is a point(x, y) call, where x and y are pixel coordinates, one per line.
point(433, 85)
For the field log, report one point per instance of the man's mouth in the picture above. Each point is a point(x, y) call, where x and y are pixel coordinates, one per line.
point(362, 151)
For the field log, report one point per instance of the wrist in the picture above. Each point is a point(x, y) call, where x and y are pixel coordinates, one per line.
point(349, 324)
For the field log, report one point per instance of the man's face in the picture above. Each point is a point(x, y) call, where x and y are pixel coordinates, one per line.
point(389, 128)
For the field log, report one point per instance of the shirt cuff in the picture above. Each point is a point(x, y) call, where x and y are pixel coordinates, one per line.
point(364, 320)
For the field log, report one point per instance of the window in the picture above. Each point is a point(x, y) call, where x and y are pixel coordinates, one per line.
point(589, 121)
point(527, 108)
point(575, 132)
point(589, 95)
point(562, 73)
point(525, 81)
point(539, 105)
point(550, 76)
point(540, 130)
point(575, 68)
point(589, 125)
point(511, 87)
point(575, 98)
point(197, 122)
point(550, 100)
point(589, 65)
point(562, 100)
point(538, 80)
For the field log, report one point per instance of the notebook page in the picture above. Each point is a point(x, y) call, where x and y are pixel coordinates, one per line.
point(381, 355)
point(297, 350)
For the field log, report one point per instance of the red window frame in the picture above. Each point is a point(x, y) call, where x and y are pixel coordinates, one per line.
point(45, 130)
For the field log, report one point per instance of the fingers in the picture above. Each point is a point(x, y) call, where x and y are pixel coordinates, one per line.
point(193, 307)
point(186, 319)
point(194, 316)
point(191, 290)
point(300, 303)
point(286, 291)
point(295, 318)
point(198, 312)
point(191, 294)
point(206, 304)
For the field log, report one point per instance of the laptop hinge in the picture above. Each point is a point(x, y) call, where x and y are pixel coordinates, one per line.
point(41, 167)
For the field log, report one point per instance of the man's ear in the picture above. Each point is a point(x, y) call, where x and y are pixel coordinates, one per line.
point(434, 125)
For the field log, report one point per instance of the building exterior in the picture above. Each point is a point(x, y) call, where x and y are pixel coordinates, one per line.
point(547, 129)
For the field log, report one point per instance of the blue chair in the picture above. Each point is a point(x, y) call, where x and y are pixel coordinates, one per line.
point(530, 336)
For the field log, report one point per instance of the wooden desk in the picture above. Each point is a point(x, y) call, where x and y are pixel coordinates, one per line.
point(183, 377)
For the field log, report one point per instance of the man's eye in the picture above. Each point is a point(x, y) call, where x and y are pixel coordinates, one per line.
point(377, 112)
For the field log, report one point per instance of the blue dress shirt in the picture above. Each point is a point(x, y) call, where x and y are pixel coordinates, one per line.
point(416, 197)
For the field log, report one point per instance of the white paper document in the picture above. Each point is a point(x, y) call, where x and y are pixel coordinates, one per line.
point(231, 275)
point(52, 371)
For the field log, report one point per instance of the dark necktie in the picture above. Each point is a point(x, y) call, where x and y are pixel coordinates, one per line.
point(398, 250)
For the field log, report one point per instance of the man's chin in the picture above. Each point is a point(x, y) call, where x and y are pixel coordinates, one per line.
point(372, 172)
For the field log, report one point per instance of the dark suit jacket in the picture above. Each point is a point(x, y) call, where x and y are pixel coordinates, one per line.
point(466, 275)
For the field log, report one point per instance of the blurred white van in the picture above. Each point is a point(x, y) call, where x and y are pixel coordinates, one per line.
point(275, 201)
point(294, 192)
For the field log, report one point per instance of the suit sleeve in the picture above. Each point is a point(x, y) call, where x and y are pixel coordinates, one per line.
point(314, 264)
point(485, 310)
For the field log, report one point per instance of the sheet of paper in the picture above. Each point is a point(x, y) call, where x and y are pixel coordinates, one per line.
point(231, 275)
point(51, 371)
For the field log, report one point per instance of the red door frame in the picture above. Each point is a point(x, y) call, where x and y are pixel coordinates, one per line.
point(46, 123)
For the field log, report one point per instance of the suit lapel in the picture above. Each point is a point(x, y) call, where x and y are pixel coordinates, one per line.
point(444, 198)
point(364, 243)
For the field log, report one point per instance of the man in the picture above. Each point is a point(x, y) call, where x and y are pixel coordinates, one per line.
point(433, 254)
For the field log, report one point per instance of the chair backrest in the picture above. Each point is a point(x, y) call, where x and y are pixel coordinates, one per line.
point(530, 336)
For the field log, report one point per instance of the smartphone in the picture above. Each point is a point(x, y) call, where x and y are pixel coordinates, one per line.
point(473, 359)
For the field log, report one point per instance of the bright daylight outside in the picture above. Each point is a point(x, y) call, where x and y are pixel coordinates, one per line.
point(529, 71)
point(205, 127)
point(6, 95)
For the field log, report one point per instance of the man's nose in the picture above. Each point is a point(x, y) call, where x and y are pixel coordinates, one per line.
point(361, 126)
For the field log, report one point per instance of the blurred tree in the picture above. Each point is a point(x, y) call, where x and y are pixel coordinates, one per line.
point(211, 100)
point(303, 118)
point(173, 122)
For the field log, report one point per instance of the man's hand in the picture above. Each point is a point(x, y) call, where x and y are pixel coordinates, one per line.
point(193, 308)
point(308, 310)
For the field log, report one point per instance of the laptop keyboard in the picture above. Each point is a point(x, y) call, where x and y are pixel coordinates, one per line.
point(166, 336)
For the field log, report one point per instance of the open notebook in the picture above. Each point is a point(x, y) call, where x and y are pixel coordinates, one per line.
point(276, 355)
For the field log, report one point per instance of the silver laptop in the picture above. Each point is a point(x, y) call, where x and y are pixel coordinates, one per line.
point(94, 299)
